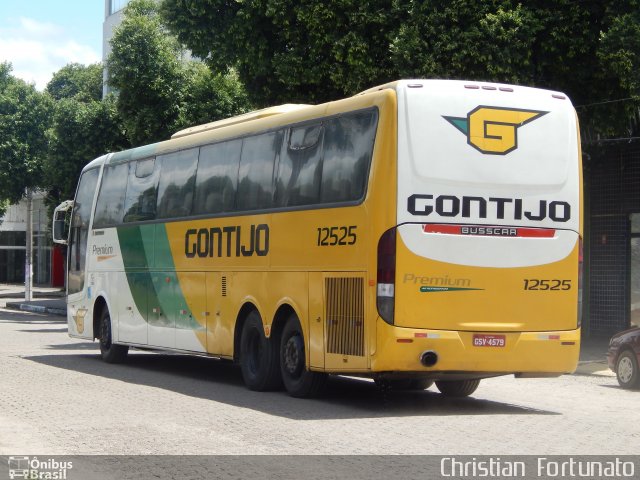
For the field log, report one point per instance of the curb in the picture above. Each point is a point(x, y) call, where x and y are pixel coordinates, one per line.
point(37, 309)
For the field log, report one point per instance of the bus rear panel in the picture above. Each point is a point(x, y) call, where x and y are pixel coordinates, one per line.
point(487, 245)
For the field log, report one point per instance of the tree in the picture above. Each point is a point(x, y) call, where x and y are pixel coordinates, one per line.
point(80, 132)
point(316, 50)
point(24, 118)
point(287, 50)
point(83, 127)
point(208, 97)
point(75, 80)
point(158, 90)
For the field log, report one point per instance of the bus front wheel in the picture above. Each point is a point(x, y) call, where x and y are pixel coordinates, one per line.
point(457, 388)
point(298, 380)
point(258, 356)
point(110, 352)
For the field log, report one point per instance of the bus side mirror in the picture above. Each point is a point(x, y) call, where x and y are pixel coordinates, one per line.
point(61, 222)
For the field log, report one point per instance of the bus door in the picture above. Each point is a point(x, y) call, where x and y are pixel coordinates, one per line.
point(78, 303)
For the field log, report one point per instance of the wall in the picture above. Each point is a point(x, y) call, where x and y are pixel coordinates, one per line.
point(612, 173)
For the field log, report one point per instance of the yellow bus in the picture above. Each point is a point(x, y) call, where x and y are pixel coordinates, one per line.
point(422, 231)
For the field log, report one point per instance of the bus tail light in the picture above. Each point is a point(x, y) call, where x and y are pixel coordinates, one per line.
point(385, 288)
point(580, 280)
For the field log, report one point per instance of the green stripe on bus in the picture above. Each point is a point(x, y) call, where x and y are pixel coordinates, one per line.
point(157, 294)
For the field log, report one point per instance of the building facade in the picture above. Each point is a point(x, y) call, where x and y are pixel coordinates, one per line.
point(13, 239)
point(612, 187)
point(112, 18)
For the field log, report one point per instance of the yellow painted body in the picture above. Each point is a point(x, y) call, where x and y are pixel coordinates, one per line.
point(297, 271)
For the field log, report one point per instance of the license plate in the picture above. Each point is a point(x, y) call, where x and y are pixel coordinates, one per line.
point(482, 340)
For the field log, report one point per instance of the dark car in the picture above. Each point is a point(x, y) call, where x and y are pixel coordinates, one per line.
point(624, 356)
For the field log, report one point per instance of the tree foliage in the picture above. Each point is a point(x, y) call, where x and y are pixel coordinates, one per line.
point(24, 118)
point(158, 90)
point(80, 132)
point(83, 127)
point(317, 50)
point(75, 80)
point(290, 50)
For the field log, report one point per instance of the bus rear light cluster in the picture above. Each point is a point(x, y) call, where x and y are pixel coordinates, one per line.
point(386, 279)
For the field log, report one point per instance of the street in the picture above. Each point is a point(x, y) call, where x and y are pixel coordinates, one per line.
point(59, 398)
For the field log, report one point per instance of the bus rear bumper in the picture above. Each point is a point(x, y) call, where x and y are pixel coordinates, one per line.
point(525, 354)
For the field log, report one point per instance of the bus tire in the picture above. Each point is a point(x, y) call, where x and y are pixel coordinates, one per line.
point(298, 380)
point(258, 356)
point(457, 388)
point(109, 351)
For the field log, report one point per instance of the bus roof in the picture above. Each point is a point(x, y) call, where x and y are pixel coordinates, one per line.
point(268, 118)
point(265, 112)
point(252, 122)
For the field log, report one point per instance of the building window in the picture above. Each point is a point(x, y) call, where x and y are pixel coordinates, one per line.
point(116, 5)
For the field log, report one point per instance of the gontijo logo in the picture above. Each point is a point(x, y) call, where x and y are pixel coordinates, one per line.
point(494, 130)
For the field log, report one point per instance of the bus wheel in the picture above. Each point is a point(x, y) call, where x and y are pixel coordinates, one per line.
point(110, 352)
point(258, 356)
point(457, 388)
point(298, 381)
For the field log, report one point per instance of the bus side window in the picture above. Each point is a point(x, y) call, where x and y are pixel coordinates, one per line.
point(177, 182)
point(348, 147)
point(300, 167)
point(110, 204)
point(217, 177)
point(255, 176)
point(142, 188)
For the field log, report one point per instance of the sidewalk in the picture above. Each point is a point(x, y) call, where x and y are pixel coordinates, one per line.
point(45, 299)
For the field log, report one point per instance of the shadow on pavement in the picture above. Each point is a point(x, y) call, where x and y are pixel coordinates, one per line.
point(221, 381)
point(46, 330)
point(93, 346)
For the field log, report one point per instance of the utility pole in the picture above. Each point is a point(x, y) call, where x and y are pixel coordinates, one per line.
point(28, 263)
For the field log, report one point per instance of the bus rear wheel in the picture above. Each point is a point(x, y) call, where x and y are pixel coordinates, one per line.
point(298, 380)
point(110, 352)
point(258, 356)
point(457, 388)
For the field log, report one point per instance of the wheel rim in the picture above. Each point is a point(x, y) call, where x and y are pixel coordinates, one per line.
point(293, 356)
point(625, 369)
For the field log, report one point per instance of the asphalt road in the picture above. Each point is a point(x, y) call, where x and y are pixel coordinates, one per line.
point(58, 398)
